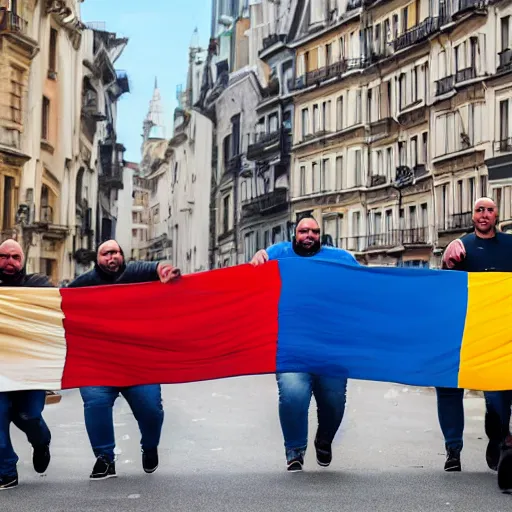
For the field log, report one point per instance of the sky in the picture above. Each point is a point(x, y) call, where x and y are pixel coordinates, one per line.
point(159, 33)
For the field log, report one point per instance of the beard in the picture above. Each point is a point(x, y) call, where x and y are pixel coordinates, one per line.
point(301, 250)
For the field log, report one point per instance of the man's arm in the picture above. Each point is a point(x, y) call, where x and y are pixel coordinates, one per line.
point(148, 271)
point(271, 253)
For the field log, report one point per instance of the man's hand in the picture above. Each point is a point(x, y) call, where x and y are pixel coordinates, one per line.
point(454, 253)
point(259, 258)
point(167, 272)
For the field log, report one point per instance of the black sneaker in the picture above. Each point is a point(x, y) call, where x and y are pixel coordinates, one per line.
point(8, 482)
point(103, 469)
point(323, 453)
point(41, 458)
point(452, 460)
point(150, 460)
point(492, 454)
point(294, 465)
point(505, 466)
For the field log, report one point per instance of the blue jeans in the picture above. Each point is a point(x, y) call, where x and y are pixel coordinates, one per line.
point(24, 409)
point(450, 409)
point(295, 390)
point(145, 403)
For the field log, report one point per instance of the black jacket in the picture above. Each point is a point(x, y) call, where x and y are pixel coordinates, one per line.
point(135, 272)
point(25, 280)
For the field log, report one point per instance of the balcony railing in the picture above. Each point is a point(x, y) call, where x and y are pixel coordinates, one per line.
point(354, 4)
point(234, 164)
point(444, 85)
point(387, 240)
point(264, 141)
point(418, 33)
point(378, 179)
point(505, 59)
point(414, 236)
point(11, 22)
point(334, 70)
point(465, 74)
point(273, 39)
point(466, 5)
point(272, 202)
point(112, 176)
point(457, 222)
point(503, 145)
point(46, 214)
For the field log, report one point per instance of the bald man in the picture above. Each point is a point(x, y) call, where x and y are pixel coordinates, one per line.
point(485, 250)
point(23, 408)
point(145, 401)
point(296, 389)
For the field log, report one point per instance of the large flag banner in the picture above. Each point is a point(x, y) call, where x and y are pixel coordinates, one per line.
point(410, 326)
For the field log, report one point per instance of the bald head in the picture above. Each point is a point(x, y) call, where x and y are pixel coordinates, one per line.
point(307, 234)
point(485, 217)
point(110, 256)
point(11, 257)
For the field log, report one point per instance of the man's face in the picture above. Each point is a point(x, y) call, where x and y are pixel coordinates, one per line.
point(307, 233)
point(110, 257)
point(485, 216)
point(11, 258)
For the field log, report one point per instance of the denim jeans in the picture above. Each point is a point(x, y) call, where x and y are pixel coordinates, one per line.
point(24, 409)
point(145, 403)
point(295, 390)
point(450, 409)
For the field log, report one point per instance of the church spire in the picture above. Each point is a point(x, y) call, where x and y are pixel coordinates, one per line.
point(154, 125)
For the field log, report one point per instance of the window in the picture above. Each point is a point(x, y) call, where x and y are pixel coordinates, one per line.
point(225, 214)
point(328, 54)
point(273, 123)
point(424, 215)
point(325, 174)
point(402, 91)
point(483, 186)
point(358, 168)
point(503, 122)
point(359, 100)
point(339, 173)
point(52, 64)
point(16, 94)
point(505, 35)
point(339, 113)
point(414, 84)
point(302, 184)
point(8, 202)
point(471, 192)
point(326, 116)
point(380, 167)
point(316, 118)
point(305, 126)
point(389, 163)
point(402, 154)
point(424, 145)
point(315, 177)
point(369, 105)
point(414, 151)
point(45, 121)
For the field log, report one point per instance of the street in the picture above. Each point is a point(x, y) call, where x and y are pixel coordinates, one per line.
point(222, 450)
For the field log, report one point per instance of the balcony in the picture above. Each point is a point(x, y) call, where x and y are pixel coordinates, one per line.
point(456, 222)
point(414, 236)
point(377, 180)
point(418, 34)
point(334, 70)
point(503, 145)
point(234, 164)
point(465, 74)
point(11, 23)
point(444, 85)
point(505, 57)
point(354, 4)
point(112, 177)
point(383, 240)
point(271, 40)
point(266, 143)
point(266, 204)
point(469, 5)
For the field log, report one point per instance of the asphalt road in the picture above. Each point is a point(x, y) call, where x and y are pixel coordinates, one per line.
point(222, 450)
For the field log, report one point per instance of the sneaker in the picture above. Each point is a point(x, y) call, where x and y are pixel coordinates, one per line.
point(452, 460)
point(323, 453)
point(505, 466)
point(8, 482)
point(492, 454)
point(294, 465)
point(41, 458)
point(150, 460)
point(103, 469)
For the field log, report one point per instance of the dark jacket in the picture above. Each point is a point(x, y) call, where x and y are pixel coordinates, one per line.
point(487, 254)
point(25, 280)
point(135, 272)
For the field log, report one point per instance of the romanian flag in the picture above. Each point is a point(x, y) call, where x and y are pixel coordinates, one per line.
point(416, 327)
